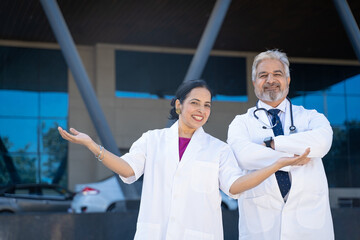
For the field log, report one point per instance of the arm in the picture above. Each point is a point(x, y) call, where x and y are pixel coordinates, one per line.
point(318, 137)
point(110, 160)
point(253, 179)
point(250, 155)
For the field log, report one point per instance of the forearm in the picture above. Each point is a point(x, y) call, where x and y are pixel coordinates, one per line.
point(319, 141)
point(111, 161)
point(253, 156)
point(253, 179)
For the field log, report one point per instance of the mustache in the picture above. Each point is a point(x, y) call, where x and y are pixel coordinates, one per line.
point(266, 85)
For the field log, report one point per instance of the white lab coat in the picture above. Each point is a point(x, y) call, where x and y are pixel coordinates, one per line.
point(262, 211)
point(181, 200)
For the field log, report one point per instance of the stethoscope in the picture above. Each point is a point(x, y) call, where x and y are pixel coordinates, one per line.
point(292, 128)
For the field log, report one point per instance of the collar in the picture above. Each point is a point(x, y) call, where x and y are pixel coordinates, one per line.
point(281, 106)
point(175, 130)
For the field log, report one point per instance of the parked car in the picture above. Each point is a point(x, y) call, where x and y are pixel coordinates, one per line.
point(106, 196)
point(23, 198)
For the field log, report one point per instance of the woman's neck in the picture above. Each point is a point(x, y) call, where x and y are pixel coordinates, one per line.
point(185, 131)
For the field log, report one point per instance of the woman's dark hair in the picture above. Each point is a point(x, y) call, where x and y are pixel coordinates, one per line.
point(183, 90)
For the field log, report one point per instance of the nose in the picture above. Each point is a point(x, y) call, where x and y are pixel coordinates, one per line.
point(201, 108)
point(270, 78)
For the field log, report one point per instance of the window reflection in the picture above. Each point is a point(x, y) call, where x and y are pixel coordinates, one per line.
point(339, 100)
point(33, 84)
point(20, 135)
point(19, 103)
point(53, 104)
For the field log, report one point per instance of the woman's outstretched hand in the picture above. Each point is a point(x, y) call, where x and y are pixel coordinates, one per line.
point(75, 136)
point(297, 160)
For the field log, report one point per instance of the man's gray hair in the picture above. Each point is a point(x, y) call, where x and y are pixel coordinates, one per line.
point(271, 54)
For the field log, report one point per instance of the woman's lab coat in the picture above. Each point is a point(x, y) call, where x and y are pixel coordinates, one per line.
point(181, 200)
point(262, 211)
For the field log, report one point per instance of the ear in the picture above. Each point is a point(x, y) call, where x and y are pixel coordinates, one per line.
point(288, 80)
point(177, 104)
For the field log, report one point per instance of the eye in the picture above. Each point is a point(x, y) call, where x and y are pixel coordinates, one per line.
point(208, 105)
point(263, 76)
point(194, 103)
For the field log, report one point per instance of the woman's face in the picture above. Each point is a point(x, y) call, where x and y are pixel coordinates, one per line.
point(195, 109)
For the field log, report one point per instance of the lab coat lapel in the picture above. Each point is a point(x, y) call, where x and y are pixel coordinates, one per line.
point(287, 119)
point(173, 142)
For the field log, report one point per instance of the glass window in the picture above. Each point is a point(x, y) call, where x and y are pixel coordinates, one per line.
point(334, 91)
point(353, 85)
point(19, 103)
point(53, 104)
point(157, 75)
point(337, 109)
point(20, 135)
point(33, 84)
point(353, 107)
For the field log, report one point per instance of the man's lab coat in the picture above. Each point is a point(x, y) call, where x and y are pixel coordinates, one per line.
point(263, 214)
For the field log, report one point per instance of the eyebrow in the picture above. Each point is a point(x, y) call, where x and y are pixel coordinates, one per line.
point(276, 71)
point(199, 100)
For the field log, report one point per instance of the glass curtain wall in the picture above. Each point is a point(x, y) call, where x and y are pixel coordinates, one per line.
point(34, 101)
point(157, 75)
point(334, 91)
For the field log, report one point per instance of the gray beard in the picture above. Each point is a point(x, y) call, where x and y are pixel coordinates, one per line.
point(271, 96)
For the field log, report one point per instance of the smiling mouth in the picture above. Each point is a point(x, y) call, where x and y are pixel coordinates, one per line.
point(197, 118)
point(274, 88)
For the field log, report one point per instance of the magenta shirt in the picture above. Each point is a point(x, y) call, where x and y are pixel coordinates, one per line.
point(183, 142)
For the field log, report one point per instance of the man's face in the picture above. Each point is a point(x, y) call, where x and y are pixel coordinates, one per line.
point(271, 84)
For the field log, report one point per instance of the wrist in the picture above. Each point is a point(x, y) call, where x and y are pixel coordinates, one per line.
point(93, 147)
point(272, 144)
point(268, 141)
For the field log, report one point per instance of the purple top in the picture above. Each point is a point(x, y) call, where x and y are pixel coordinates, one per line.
point(183, 142)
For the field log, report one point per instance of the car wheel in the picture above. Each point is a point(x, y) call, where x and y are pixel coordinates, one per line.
point(111, 208)
point(6, 212)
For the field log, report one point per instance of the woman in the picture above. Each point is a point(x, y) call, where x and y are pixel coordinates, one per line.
point(183, 168)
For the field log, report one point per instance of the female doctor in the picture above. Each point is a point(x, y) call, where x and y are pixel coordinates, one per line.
point(183, 168)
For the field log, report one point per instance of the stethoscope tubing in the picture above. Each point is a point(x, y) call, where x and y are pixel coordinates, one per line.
point(292, 128)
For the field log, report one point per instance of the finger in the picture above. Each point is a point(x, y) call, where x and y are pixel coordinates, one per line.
point(68, 136)
point(305, 154)
point(64, 135)
point(74, 131)
point(304, 161)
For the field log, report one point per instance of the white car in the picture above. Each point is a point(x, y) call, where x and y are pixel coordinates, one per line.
point(106, 196)
point(97, 197)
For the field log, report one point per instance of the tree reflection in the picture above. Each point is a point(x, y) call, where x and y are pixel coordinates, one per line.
point(342, 163)
point(22, 167)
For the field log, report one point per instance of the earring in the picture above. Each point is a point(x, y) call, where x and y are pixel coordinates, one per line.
point(178, 111)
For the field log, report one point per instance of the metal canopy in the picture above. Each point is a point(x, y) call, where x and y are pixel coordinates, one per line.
point(304, 28)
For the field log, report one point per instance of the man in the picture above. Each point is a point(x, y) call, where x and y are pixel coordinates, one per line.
point(292, 203)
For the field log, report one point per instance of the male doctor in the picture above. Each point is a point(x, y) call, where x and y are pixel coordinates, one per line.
point(293, 203)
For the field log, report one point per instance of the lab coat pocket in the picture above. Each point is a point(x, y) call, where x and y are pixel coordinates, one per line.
point(259, 214)
point(197, 235)
point(311, 210)
point(147, 231)
point(204, 177)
